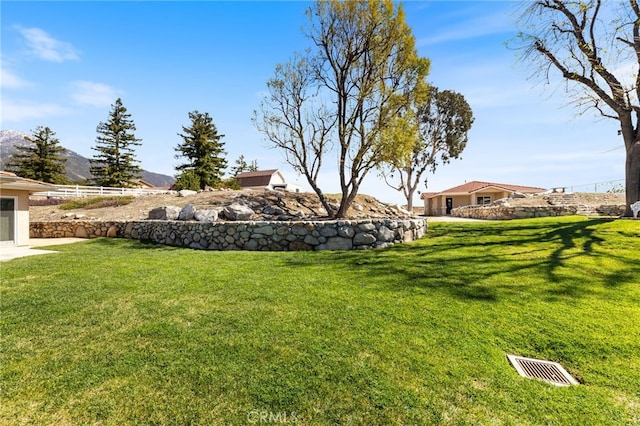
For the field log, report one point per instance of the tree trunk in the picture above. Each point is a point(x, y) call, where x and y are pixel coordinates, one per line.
point(410, 201)
point(632, 176)
point(345, 203)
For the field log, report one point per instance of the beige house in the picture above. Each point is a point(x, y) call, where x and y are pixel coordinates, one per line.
point(14, 207)
point(265, 179)
point(470, 194)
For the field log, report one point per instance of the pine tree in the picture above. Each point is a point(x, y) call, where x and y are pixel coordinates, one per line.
point(42, 159)
point(203, 150)
point(115, 163)
point(241, 166)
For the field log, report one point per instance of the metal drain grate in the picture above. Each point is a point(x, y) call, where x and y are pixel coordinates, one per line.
point(550, 372)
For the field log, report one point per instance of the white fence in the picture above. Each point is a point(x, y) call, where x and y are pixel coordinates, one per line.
point(616, 186)
point(95, 191)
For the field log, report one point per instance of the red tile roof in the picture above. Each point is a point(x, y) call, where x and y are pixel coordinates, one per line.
point(475, 186)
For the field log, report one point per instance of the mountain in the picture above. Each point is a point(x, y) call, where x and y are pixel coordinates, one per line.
point(77, 166)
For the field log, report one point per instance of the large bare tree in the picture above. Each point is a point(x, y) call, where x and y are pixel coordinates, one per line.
point(594, 46)
point(361, 73)
point(294, 119)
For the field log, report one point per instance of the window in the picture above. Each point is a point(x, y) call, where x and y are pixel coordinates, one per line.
point(483, 201)
point(7, 220)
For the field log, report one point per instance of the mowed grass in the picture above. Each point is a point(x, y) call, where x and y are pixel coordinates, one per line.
point(121, 332)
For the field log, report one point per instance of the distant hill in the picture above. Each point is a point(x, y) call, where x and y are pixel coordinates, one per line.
point(77, 166)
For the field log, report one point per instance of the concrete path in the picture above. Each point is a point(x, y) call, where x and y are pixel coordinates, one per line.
point(9, 253)
point(431, 219)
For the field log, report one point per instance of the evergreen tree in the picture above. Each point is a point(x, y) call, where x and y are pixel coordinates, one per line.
point(115, 163)
point(241, 166)
point(42, 159)
point(203, 150)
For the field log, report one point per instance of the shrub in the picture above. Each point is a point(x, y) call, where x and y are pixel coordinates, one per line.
point(97, 202)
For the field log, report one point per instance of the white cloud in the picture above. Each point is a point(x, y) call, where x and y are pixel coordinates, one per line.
point(47, 48)
point(9, 80)
point(19, 111)
point(478, 26)
point(93, 94)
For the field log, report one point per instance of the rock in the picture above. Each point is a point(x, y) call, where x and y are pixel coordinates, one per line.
point(112, 232)
point(187, 212)
point(336, 243)
point(186, 193)
point(238, 212)
point(363, 238)
point(272, 210)
point(385, 234)
point(346, 232)
point(206, 215)
point(81, 232)
point(165, 213)
point(300, 246)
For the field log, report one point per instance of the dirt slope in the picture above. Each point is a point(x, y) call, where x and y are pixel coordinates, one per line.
point(295, 205)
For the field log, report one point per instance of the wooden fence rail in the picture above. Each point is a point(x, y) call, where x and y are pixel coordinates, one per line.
point(95, 191)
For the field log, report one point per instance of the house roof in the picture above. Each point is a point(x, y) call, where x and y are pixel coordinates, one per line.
point(478, 186)
point(10, 180)
point(257, 178)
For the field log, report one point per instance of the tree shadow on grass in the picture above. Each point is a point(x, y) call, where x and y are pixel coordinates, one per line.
point(130, 244)
point(488, 262)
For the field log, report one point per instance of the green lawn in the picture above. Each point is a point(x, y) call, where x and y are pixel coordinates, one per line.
point(120, 332)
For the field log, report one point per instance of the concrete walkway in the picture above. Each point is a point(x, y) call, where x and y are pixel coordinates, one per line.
point(12, 252)
point(431, 219)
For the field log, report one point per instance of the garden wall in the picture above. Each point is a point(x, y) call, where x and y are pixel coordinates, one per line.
point(264, 236)
point(525, 212)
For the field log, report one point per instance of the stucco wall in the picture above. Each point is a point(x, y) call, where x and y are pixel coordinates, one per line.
point(264, 236)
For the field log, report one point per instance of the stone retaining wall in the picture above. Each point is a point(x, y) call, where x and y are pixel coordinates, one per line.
point(525, 212)
point(265, 236)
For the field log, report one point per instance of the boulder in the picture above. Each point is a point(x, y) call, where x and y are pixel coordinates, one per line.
point(112, 232)
point(165, 213)
point(238, 212)
point(336, 243)
point(385, 234)
point(272, 210)
point(363, 238)
point(206, 215)
point(187, 212)
point(186, 193)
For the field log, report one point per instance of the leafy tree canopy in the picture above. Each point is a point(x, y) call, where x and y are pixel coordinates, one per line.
point(442, 122)
point(344, 94)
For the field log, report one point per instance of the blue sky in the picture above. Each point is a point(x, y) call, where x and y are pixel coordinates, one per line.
point(65, 63)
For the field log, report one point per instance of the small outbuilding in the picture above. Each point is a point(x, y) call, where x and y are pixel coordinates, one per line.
point(474, 193)
point(265, 179)
point(14, 207)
